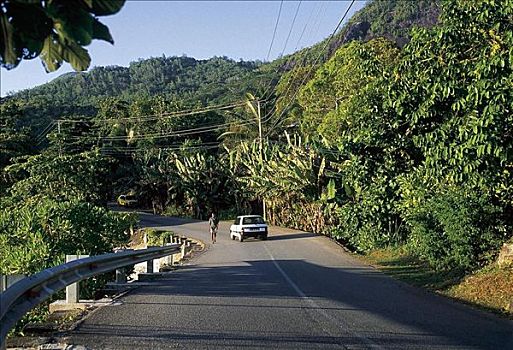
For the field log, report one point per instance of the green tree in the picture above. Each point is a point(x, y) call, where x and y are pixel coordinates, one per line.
point(454, 88)
point(38, 233)
point(343, 108)
point(453, 91)
point(82, 177)
point(331, 101)
point(14, 139)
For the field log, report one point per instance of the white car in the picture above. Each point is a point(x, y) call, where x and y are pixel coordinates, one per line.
point(249, 226)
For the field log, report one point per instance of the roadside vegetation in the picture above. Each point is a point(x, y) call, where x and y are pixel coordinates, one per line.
point(396, 142)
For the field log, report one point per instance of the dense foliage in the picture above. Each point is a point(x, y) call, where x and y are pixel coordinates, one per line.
point(37, 234)
point(455, 229)
point(394, 19)
point(417, 140)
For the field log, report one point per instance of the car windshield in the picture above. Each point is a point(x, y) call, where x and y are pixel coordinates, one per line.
point(129, 198)
point(253, 220)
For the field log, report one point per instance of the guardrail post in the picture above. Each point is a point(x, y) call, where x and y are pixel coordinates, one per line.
point(149, 266)
point(73, 290)
point(169, 258)
point(149, 263)
point(182, 250)
point(120, 275)
point(121, 272)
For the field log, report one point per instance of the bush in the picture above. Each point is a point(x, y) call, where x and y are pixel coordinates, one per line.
point(455, 229)
point(370, 220)
point(38, 234)
point(178, 211)
point(158, 238)
point(228, 214)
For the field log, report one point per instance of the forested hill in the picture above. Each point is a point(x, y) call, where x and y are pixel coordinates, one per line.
point(182, 81)
point(206, 81)
point(219, 79)
point(391, 19)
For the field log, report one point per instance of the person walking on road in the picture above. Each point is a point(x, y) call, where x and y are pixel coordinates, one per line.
point(213, 222)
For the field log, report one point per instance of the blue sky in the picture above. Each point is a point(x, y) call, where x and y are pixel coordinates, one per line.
point(199, 29)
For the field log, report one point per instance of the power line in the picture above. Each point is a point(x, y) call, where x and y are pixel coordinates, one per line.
point(170, 146)
point(160, 116)
point(269, 87)
point(175, 133)
point(40, 138)
point(304, 29)
point(314, 64)
point(315, 28)
point(291, 28)
point(183, 132)
point(316, 24)
point(139, 150)
point(313, 32)
point(275, 29)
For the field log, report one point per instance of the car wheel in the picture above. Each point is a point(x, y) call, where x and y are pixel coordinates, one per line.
point(263, 237)
point(241, 239)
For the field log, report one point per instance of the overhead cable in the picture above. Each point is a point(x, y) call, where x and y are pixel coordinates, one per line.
point(314, 63)
point(274, 33)
point(160, 116)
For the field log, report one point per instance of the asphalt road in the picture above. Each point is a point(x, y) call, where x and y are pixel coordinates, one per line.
point(294, 291)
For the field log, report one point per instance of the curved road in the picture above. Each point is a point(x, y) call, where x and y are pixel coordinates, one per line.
point(294, 291)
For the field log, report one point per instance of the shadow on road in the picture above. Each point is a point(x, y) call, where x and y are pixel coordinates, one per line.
point(368, 298)
point(140, 337)
point(280, 237)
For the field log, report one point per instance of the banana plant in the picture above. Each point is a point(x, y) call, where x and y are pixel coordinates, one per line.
point(280, 173)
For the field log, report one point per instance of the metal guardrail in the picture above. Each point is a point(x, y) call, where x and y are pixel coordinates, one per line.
point(24, 295)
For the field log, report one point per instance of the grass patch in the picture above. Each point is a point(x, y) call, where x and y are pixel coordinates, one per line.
point(398, 263)
point(490, 287)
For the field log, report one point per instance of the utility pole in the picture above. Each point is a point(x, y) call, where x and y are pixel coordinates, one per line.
point(260, 140)
point(259, 127)
point(60, 140)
